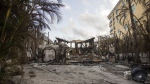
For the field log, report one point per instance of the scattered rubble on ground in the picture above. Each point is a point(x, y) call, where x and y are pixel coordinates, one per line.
point(76, 66)
point(103, 73)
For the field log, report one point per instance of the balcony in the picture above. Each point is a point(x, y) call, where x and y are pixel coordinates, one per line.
point(111, 30)
point(113, 22)
point(113, 19)
point(110, 23)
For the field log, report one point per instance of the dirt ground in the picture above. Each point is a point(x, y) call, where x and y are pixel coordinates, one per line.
point(103, 73)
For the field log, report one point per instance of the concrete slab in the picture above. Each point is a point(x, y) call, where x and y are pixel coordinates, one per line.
point(122, 66)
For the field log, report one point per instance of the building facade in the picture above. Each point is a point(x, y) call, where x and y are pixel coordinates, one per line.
point(120, 17)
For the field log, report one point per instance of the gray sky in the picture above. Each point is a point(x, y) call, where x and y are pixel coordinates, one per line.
point(83, 19)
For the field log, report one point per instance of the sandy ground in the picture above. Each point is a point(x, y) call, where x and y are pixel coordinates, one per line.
point(103, 73)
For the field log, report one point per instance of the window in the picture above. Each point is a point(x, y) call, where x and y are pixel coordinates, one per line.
point(117, 19)
point(116, 11)
point(133, 8)
point(135, 20)
point(125, 15)
point(110, 21)
point(111, 30)
point(123, 3)
point(126, 27)
point(114, 28)
point(118, 31)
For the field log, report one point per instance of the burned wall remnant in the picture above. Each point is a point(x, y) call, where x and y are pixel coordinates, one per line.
point(81, 46)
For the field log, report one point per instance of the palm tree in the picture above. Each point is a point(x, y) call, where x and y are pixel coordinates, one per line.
point(22, 23)
point(137, 35)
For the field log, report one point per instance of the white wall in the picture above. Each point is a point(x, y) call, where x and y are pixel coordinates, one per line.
point(49, 55)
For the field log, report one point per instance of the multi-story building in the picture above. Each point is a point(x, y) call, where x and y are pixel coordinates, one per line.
point(115, 26)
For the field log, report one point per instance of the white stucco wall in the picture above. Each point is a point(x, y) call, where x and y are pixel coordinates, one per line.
point(49, 55)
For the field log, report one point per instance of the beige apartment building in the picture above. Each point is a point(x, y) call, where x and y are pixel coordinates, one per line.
point(115, 26)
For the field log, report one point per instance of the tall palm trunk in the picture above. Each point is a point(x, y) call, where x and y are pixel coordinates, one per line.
point(133, 26)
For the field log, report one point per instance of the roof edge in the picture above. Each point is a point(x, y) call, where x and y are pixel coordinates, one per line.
point(113, 9)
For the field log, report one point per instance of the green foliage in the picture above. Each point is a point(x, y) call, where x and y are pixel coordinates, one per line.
point(4, 77)
point(137, 41)
point(21, 26)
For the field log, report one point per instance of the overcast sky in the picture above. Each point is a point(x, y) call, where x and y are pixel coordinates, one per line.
point(83, 19)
